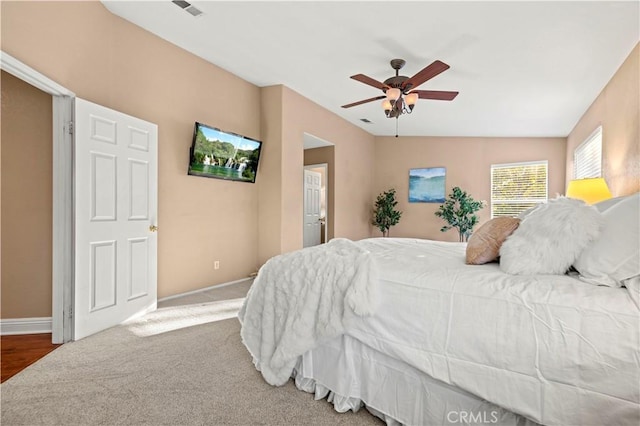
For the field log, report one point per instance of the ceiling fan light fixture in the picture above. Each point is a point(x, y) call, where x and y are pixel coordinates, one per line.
point(386, 105)
point(393, 94)
point(411, 99)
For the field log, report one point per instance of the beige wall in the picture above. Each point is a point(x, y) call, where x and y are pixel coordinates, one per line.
point(617, 109)
point(292, 115)
point(468, 163)
point(107, 60)
point(26, 144)
point(270, 172)
point(320, 156)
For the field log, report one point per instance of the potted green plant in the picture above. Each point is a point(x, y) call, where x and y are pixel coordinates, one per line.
point(458, 211)
point(384, 214)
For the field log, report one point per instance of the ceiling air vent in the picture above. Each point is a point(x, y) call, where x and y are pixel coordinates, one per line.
point(365, 120)
point(188, 7)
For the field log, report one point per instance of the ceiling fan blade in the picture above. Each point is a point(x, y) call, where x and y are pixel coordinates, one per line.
point(427, 73)
point(435, 94)
point(364, 101)
point(368, 80)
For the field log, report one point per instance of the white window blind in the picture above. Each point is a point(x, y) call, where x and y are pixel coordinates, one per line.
point(587, 157)
point(516, 187)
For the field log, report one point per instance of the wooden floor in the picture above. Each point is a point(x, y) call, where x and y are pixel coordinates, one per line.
point(19, 352)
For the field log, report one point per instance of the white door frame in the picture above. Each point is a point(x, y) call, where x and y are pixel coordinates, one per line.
point(63, 199)
point(325, 184)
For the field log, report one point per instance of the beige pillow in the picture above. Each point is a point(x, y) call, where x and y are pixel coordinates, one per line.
point(484, 244)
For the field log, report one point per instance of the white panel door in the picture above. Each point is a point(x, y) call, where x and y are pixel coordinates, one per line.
point(116, 203)
point(312, 186)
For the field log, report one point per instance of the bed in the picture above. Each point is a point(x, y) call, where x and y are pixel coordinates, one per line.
point(406, 328)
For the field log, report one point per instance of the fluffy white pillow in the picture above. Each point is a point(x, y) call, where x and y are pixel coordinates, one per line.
point(615, 255)
point(550, 238)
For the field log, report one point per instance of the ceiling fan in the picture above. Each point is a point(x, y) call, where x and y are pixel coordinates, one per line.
point(399, 93)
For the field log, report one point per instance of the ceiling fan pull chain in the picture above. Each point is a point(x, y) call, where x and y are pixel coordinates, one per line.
point(396, 127)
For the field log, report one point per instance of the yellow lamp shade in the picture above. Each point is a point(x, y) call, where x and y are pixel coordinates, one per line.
point(590, 190)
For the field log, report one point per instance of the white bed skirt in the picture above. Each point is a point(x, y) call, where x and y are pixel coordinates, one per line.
point(350, 375)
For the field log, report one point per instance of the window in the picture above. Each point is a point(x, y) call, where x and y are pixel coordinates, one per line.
point(516, 187)
point(587, 157)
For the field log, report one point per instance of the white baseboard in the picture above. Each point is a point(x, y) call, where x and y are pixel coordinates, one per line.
point(205, 289)
point(12, 326)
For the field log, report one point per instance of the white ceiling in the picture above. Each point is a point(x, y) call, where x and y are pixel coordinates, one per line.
point(522, 68)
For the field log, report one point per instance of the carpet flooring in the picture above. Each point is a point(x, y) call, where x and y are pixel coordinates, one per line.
point(181, 365)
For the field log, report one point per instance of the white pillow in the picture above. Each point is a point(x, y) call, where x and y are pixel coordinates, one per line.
point(606, 204)
point(615, 255)
point(550, 238)
point(633, 287)
point(528, 211)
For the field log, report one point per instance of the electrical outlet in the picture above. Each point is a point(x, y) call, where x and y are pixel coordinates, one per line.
point(216, 264)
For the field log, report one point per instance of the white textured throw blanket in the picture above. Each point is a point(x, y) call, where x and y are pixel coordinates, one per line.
point(299, 300)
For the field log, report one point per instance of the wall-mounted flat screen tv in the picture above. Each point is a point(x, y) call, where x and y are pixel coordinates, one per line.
point(223, 155)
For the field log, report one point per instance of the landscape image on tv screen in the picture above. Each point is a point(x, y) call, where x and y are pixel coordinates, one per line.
point(223, 155)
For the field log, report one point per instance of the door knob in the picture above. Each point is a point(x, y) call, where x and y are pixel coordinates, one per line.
point(153, 228)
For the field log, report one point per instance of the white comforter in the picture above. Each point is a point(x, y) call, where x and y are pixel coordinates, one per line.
point(300, 299)
point(551, 348)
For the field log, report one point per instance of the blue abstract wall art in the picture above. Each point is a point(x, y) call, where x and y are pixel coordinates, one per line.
point(427, 185)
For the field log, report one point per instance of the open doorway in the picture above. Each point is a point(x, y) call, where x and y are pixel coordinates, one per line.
point(319, 159)
point(315, 205)
point(26, 224)
point(26, 212)
point(61, 208)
